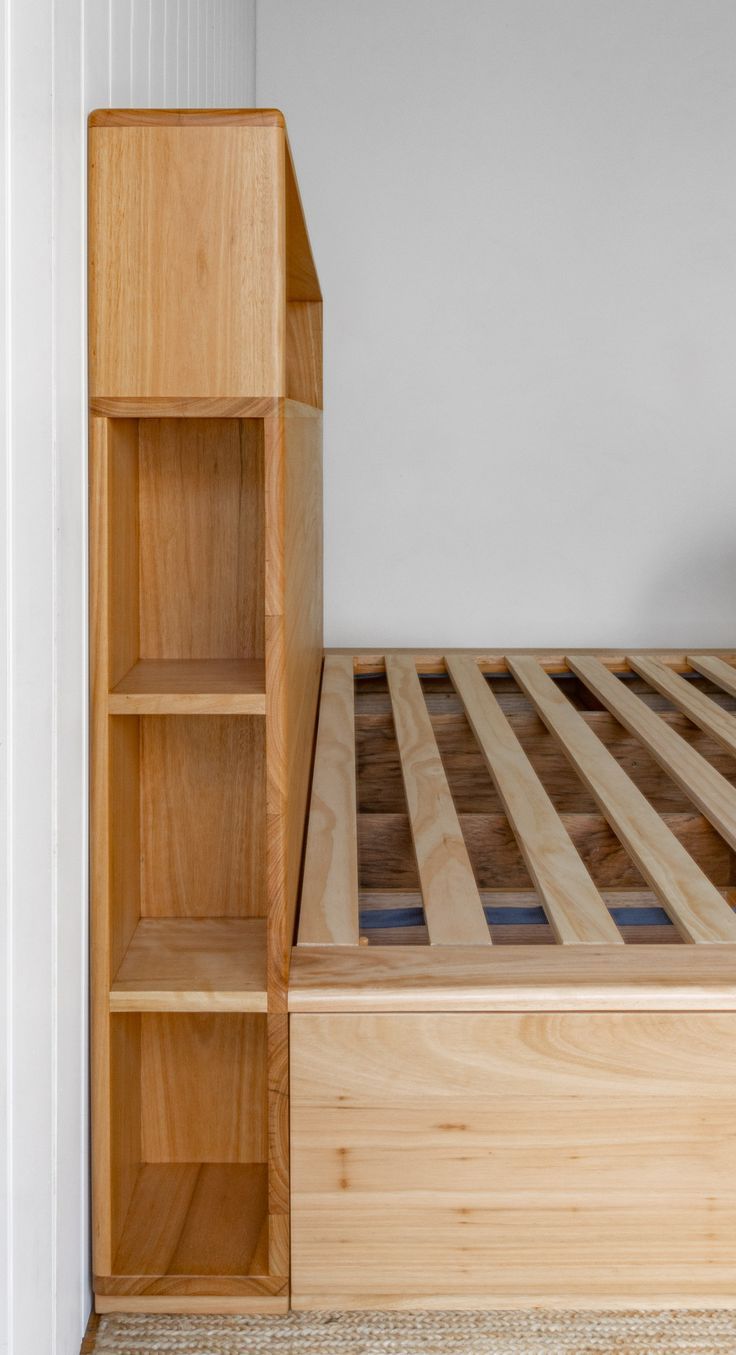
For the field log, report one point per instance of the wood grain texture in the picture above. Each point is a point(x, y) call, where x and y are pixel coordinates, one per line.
point(695, 704)
point(191, 686)
point(329, 895)
point(193, 965)
point(201, 539)
point(186, 260)
point(183, 1302)
point(293, 662)
point(449, 892)
point(693, 903)
point(719, 670)
point(204, 1219)
point(304, 352)
point(512, 978)
point(186, 117)
point(705, 786)
point(198, 775)
point(186, 407)
point(187, 1062)
point(571, 901)
point(513, 1158)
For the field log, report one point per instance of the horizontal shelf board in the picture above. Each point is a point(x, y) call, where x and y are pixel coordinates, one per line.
point(196, 1219)
point(191, 687)
point(193, 965)
point(186, 407)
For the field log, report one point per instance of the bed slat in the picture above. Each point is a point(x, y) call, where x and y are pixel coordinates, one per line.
point(706, 787)
point(574, 908)
point(693, 903)
point(329, 906)
point(698, 707)
point(718, 670)
point(452, 904)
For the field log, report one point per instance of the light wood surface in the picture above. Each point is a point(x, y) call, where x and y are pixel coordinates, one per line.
point(521, 1157)
point(196, 776)
point(193, 965)
point(705, 786)
point(692, 902)
point(191, 687)
point(698, 707)
point(512, 978)
point(186, 117)
point(451, 901)
point(208, 321)
point(186, 1062)
point(571, 901)
point(719, 670)
point(329, 896)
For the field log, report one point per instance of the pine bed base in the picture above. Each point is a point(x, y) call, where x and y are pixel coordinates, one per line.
point(513, 997)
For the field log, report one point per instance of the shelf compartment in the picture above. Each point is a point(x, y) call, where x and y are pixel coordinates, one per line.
point(189, 1150)
point(193, 1218)
point(193, 965)
point(191, 686)
point(185, 555)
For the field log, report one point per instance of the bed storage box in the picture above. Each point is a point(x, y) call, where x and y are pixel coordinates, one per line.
point(513, 998)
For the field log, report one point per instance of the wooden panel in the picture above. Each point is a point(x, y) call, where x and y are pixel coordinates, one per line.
point(720, 671)
point(451, 901)
point(304, 352)
point(186, 407)
point(202, 816)
point(122, 620)
point(124, 843)
point(302, 283)
point(195, 1219)
point(201, 535)
point(293, 660)
point(191, 686)
point(122, 1131)
point(710, 791)
point(513, 1158)
point(193, 964)
point(571, 901)
point(203, 1088)
point(513, 978)
point(692, 902)
point(186, 260)
point(329, 897)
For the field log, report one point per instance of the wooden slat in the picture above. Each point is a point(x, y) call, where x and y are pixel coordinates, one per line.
point(575, 909)
point(452, 904)
point(705, 786)
point(329, 908)
point(693, 903)
point(718, 670)
point(698, 707)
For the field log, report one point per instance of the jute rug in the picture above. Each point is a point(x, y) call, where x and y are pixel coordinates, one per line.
point(507, 1333)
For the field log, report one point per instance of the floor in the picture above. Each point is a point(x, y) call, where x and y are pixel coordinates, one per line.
point(472, 1333)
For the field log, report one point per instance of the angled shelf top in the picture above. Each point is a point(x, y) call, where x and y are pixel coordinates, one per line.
point(191, 687)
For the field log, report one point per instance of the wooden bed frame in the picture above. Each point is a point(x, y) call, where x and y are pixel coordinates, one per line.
point(513, 997)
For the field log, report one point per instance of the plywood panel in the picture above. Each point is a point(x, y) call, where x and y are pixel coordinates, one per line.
point(187, 245)
point(202, 837)
point(203, 1088)
point(201, 538)
point(513, 1158)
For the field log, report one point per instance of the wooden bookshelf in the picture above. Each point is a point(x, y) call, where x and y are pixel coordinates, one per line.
point(206, 645)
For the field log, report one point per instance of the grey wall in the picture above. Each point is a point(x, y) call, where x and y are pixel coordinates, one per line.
point(524, 217)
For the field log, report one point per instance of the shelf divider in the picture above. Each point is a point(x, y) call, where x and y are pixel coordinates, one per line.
point(191, 687)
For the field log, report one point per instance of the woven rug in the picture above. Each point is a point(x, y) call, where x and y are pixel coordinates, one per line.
point(472, 1333)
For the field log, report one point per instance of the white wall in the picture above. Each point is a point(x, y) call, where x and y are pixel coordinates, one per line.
point(157, 52)
point(524, 217)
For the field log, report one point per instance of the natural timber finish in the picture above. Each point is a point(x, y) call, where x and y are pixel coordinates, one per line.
point(507, 1159)
point(451, 900)
point(206, 650)
point(706, 786)
point(692, 902)
point(698, 707)
point(571, 901)
point(719, 670)
point(329, 899)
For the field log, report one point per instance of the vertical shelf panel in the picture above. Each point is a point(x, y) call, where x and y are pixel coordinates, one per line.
point(206, 615)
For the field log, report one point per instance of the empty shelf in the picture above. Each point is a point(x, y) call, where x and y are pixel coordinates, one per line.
point(193, 965)
point(191, 686)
